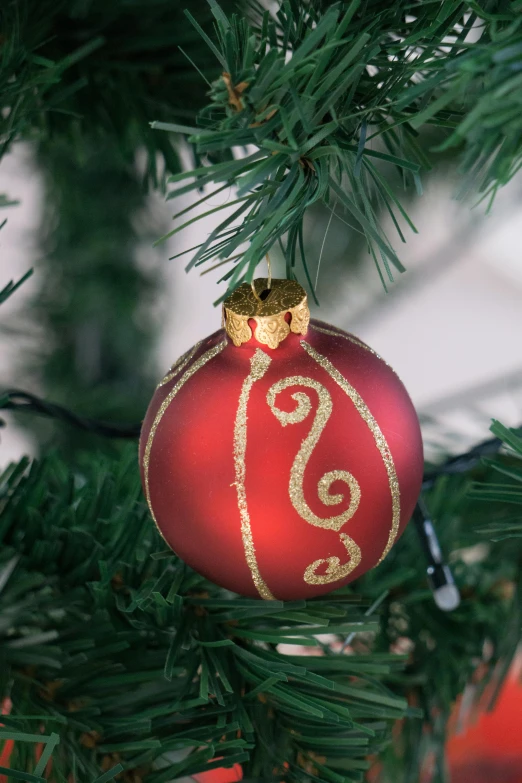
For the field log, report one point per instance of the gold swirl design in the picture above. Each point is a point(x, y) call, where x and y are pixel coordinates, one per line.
point(203, 359)
point(305, 452)
point(179, 365)
point(259, 364)
point(380, 440)
point(335, 570)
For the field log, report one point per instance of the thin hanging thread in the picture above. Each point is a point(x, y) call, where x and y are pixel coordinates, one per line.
point(269, 283)
point(322, 246)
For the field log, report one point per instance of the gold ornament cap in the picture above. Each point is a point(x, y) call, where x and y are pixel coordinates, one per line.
point(267, 302)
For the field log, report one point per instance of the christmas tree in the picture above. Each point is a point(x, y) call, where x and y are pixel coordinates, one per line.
point(117, 660)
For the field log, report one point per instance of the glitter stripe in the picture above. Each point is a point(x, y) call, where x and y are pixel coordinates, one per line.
point(334, 569)
point(180, 365)
point(203, 359)
point(351, 339)
point(380, 440)
point(258, 366)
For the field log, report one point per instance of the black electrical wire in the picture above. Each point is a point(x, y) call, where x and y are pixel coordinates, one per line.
point(23, 402)
point(466, 461)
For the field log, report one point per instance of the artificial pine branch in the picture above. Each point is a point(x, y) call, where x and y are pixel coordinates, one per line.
point(142, 656)
point(127, 654)
point(70, 68)
point(112, 642)
point(326, 93)
point(508, 491)
point(91, 289)
point(322, 94)
point(11, 286)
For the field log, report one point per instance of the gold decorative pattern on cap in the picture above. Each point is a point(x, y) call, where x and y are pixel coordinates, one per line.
point(258, 366)
point(380, 440)
point(267, 310)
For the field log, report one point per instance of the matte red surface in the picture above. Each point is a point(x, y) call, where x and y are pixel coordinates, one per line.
point(192, 475)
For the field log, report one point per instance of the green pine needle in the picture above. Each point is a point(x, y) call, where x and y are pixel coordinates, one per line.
point(312, 89)
point(118, 648)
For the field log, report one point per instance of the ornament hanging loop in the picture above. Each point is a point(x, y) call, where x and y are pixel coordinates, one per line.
point(268, 302)
point(269, 283)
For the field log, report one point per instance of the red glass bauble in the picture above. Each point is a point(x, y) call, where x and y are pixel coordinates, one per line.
point(281, 473)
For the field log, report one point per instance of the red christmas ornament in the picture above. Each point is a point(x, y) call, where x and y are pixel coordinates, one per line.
point(280, 458)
